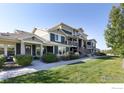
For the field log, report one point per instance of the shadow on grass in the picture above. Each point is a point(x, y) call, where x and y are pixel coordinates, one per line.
point(107, 57)
point(80, 62)
point(46, 76)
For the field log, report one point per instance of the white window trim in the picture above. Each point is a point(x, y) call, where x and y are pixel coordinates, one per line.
point(59, 37)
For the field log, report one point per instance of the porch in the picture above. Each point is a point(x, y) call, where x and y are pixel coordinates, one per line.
point(9, 48)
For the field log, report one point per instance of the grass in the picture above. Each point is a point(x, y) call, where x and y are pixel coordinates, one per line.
point(101, 70)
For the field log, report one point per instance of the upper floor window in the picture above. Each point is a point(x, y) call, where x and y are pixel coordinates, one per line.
point(57, 38)
point(52, 37)
point(62, 39)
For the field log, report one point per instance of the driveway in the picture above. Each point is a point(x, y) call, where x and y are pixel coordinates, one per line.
point(36, 66)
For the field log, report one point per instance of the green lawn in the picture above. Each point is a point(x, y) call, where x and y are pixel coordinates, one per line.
point(102, 70)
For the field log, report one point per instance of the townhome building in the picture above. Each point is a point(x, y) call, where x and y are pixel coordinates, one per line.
point(60, 40)
point(20, 43)
point(63, 38)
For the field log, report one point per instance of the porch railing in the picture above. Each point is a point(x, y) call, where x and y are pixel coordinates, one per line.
point(72, 43)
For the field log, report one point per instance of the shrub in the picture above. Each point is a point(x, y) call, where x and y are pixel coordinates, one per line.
point(100, 54)
point(49, 58)
point(65, 57)
point(2, 60)
point(36, 57)
point(23, 60)
point(73, 56)
point(70, 56)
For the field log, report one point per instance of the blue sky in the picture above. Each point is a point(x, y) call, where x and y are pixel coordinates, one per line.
point(92, 18)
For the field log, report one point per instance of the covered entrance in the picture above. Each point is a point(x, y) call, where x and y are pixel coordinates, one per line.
point(74, 49)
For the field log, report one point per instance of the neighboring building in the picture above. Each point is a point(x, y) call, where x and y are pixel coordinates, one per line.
point(60, 40)
point(91, 46)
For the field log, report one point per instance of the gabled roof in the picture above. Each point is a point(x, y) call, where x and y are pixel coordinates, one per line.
point(92, 40)
point(60, 25)
point(20, 35)
point(7, 35)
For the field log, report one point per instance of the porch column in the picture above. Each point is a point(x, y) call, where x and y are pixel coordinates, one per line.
point(5, 50)
point(41, 50)
point(77, 42)
point(53, 49)
point(22, 48)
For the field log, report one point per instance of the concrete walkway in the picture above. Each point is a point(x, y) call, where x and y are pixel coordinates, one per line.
point(36, 66)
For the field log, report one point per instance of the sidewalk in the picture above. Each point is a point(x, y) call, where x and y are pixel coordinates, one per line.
point(36, 66)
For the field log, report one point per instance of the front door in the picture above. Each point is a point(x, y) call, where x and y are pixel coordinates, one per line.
point(34, 50)
point(28, 49)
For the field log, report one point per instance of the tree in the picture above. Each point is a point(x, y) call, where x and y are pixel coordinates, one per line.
point(114, 33)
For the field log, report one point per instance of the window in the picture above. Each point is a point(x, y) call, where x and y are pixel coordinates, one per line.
point(58, 38)
point(56, 49)
point(67, 49)
point(49, 49)
point(11, 50)
point(1, 49)
point(62, 50)
point(52, 37)
point(28, 49)
point(62, 39)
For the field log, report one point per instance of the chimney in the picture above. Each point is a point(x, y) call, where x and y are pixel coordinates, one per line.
point(34, 30)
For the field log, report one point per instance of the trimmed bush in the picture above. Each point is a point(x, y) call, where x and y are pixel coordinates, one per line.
point(65, 57)
point(100, 54)
point(2, 60)
point(49, 58)
point(73, 56)
point(23, 60)
point(70, 57)
point(36, 57)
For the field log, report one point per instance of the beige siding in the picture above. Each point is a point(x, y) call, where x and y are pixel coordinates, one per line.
point(43, 34)
point(67, 28)
point(58, 32)
point(7, 42)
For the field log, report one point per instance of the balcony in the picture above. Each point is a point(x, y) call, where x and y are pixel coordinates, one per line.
point(90, 47)
point(72, 43)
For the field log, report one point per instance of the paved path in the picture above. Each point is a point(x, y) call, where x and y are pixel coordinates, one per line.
point(36, 66)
